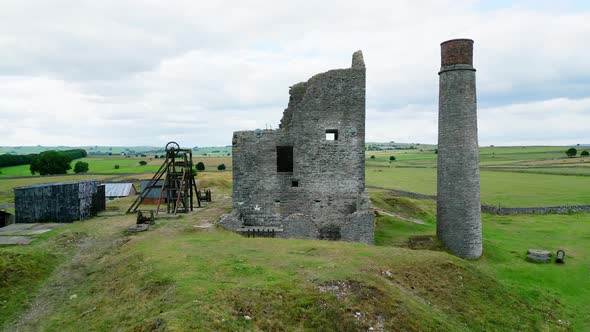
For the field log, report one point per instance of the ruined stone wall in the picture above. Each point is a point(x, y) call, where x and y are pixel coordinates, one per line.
point(324, 195)
point(55, 202)
point(563, 209)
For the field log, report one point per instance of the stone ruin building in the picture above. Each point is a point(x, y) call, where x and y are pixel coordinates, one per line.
point(458, 201)
point(58, 202)
point(307, 178)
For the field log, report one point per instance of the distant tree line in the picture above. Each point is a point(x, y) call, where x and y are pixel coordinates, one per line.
point(58, 162)
point(572, 152)
point(75, 153)
point(375, 147)
point(26, 159)
point(15, 159)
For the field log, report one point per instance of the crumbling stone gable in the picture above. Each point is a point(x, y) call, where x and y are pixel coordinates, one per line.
point(322, 194)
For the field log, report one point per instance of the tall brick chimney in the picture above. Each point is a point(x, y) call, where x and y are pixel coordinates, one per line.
point(458, 202)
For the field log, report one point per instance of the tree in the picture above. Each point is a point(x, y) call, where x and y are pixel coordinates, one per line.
point(200, 166)
point(15, 160)
point(81, 167)
point(391, 158)
point(221, 167)
point(571, 152)
point(51, 162)
point(75, 153)
point(435, 151)
point(143, 162)
point(156, 156)
point(117, 166)
point(373, 157)
point(585, 153)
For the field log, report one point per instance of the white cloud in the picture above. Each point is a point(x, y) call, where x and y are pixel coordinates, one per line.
point(555, 121)
point(145, 72)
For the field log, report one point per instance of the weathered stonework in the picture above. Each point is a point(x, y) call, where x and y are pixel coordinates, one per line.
point(458, 199)
point(294, 181)
point(58, 202)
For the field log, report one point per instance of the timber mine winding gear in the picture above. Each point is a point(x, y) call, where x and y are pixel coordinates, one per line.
point(179, 187)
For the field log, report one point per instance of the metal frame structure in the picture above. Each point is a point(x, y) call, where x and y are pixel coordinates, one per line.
point(180, 186)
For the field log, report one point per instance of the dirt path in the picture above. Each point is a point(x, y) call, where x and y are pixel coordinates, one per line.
point(58, 288)
point(106, 236)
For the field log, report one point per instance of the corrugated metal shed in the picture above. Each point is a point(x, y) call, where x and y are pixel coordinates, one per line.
point(119, 189)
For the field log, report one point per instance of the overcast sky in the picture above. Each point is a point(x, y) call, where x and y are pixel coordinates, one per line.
point(115, 72)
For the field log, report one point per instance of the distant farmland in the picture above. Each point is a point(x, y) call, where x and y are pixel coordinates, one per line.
point(106, 165)
point(552, 179)
point(117, 150)
point(209, 270)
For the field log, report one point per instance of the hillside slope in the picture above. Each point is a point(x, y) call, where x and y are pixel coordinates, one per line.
point(186, 274)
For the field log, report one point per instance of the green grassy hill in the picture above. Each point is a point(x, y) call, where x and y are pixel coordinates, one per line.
point(186, 274)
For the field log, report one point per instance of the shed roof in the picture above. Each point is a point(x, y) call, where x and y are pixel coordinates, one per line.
point(54, 184)
point(118, 189)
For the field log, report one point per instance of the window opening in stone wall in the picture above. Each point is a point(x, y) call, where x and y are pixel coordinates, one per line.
point(295, 183)
point(331, 134)
point(284, 159)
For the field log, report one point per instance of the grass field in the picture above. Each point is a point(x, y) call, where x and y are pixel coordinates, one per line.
point(186, 274)
point(497, 188)
point(106, 164)
point(488, 157)
point(506, 240)
point(149, 151)
point(510, 176)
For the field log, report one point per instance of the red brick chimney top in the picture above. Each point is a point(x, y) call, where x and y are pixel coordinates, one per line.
point(457, 51)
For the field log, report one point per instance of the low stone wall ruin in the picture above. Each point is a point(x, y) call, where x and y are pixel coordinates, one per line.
point(499, 210)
